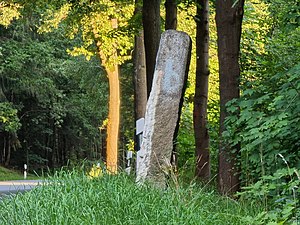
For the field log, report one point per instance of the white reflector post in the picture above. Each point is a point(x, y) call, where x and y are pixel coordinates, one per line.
point(25, 171)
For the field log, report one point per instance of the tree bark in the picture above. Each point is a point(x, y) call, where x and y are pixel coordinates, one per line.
point(140, 79)
point(171, 14)
point(229, 25)
point(13, 143)
point(4, 150)
point(151, 24)
point(113, 120)
point(7, 160)
point(201, 91)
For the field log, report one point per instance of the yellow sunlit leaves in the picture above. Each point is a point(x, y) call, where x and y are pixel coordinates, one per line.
point(3, 119)
point(255, 28)
point(97, 26)
point(96, 171)
point(54, 18)
point(94, 26)
point(9, 12)
point(76, 51)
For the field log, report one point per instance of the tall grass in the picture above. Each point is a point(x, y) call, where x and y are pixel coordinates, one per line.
point(72, 198)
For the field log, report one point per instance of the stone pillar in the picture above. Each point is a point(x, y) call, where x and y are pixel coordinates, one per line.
point(163, 107)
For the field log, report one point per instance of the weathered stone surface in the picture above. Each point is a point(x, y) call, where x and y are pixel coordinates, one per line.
point(163, 107)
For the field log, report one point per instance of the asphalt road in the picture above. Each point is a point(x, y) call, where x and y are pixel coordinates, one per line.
point(15, 186)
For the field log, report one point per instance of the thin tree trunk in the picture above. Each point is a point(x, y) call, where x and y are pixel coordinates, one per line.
point(55, 154)
point(171, 14)
point(103, 135)
point(140, 82)
point(4, 150)
point(47, 141)
point(201, 91)
point(52, 153)
point(7, 160)
point(229, 25)
point(140, 79)
point(56, 143)
point(2, 95)
point(151, 24)
point(13, 143)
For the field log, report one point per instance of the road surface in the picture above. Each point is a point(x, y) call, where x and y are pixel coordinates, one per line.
point(15, 186)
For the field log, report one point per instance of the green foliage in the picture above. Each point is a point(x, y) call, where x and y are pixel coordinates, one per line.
point(257, 23)
point(287, 18)
point(73, 198)
point(213, 116)
point(61, 100)
point(127, 111)
point(9, 120)
point(268, 128)
point(268, 124)
point(284, 209)
point(185, 144)
point(266, 119)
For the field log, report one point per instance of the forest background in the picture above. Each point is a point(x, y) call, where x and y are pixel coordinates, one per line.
point(54, 92)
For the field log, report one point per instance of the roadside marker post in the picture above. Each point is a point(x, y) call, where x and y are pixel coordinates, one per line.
point(139, 133)
point(128, 158)
point(25, 171)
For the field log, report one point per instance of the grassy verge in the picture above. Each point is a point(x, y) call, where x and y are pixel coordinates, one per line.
point(6, 174)
point(75, 199)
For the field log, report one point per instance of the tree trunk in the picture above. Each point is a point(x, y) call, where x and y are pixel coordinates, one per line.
point(7, 160)
point(113, 120)
point(4, 149)
point(229, 25)
point(13, 143)
point(171, 14)
point(2, 95)
point(201, 91)
point(140, 80)
point(151, 24)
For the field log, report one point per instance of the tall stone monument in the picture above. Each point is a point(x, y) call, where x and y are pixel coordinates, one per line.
point(163, 108)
